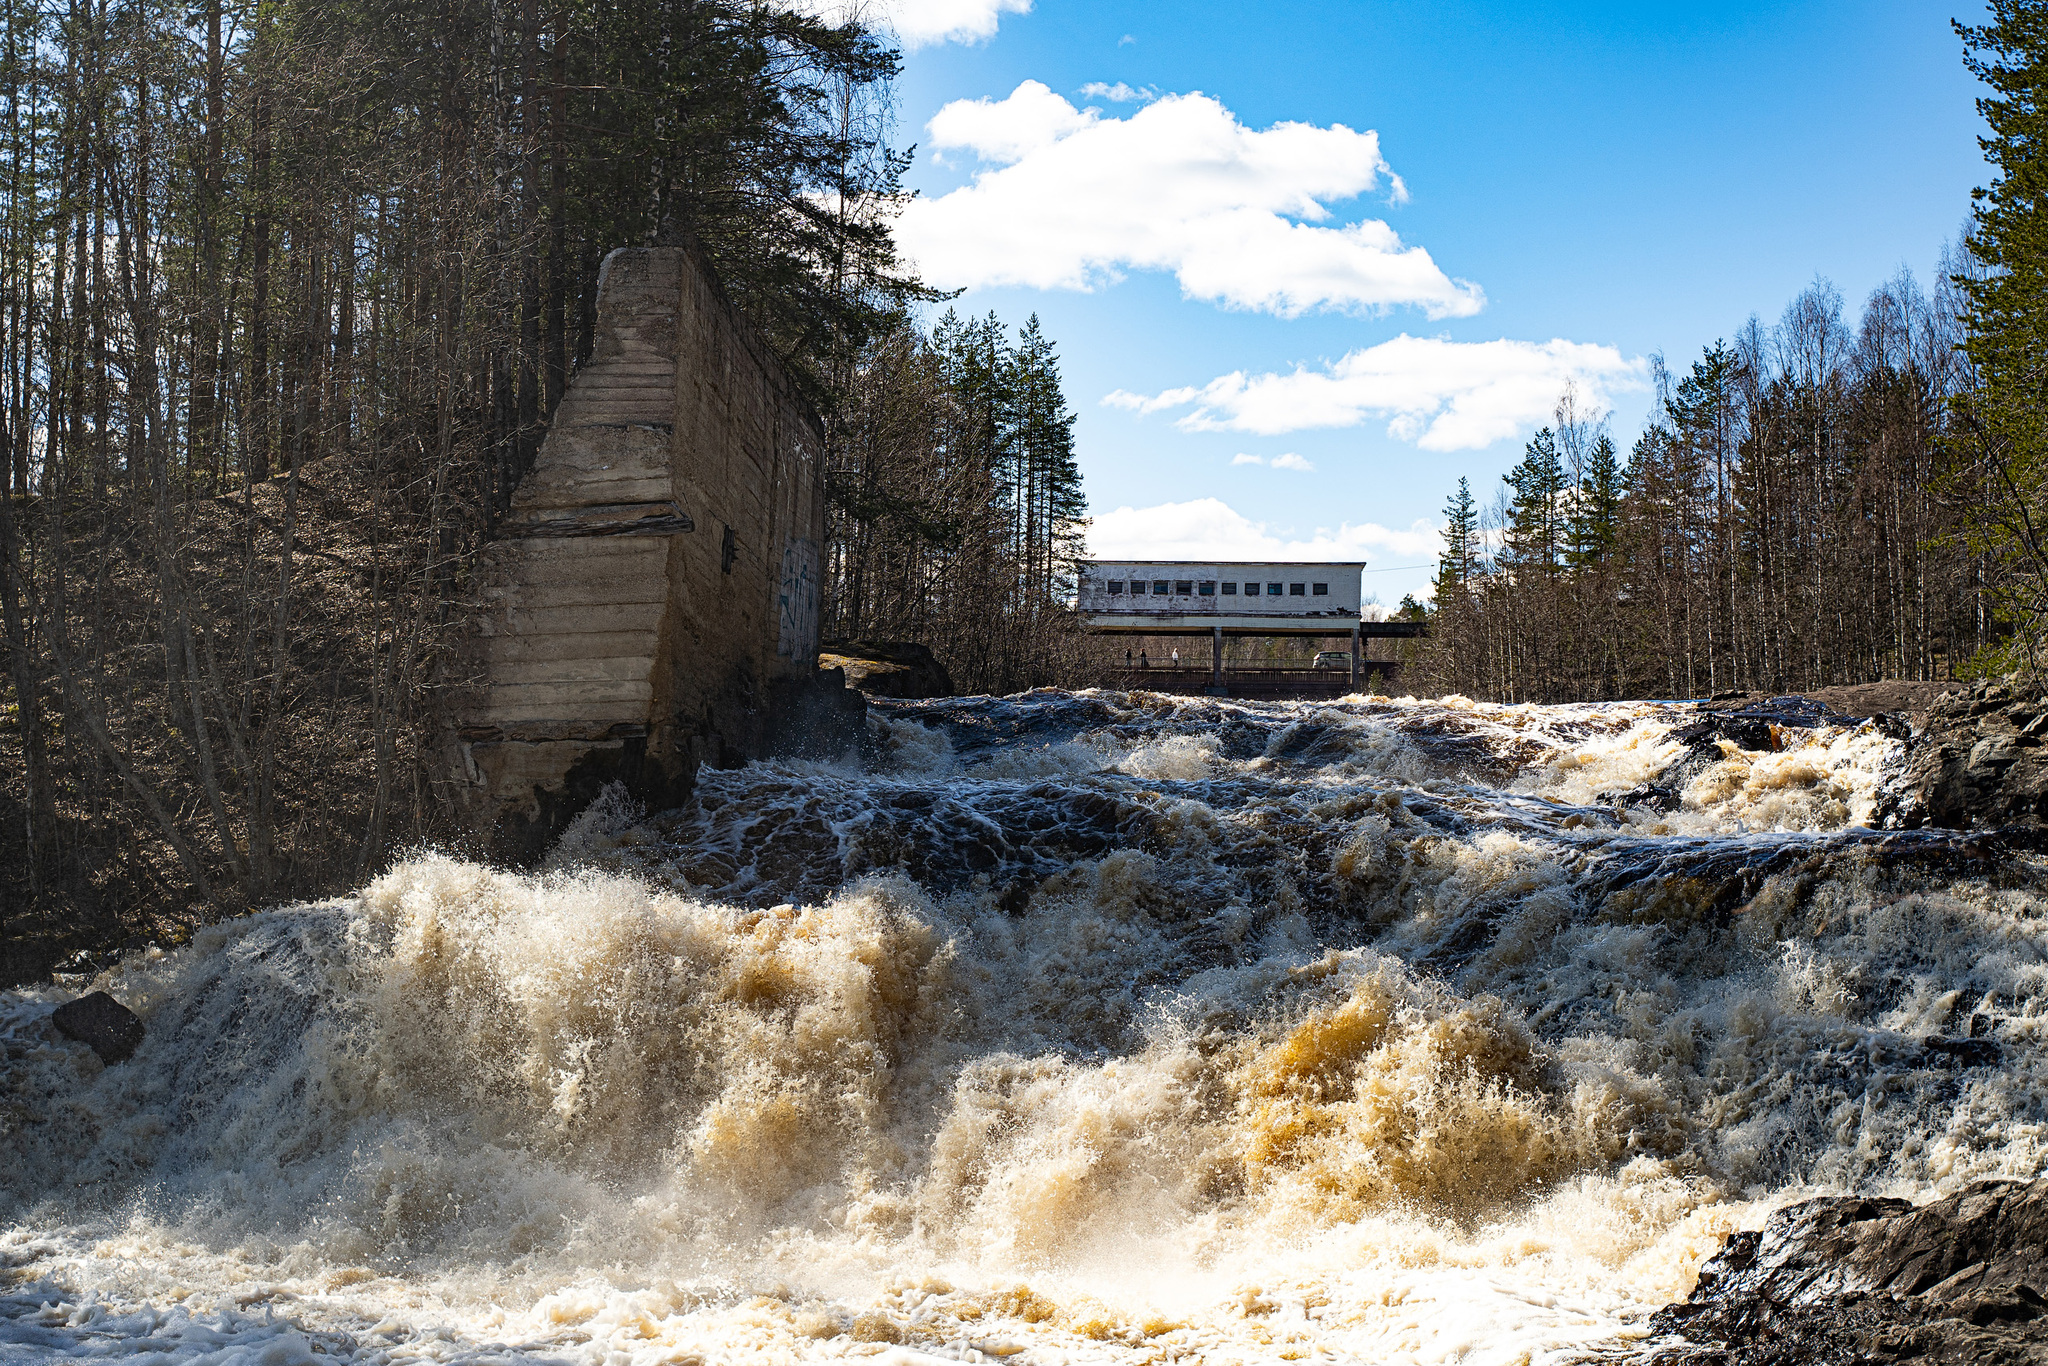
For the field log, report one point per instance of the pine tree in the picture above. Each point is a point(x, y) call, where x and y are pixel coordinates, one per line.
point(1460, 560)
point(1595, 518)
point(1053, 505)
point(1533, 536)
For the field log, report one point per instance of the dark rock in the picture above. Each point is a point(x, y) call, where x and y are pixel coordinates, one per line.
point(1858, 1279)
point(101, 1023)
point(888, 668)
point(1755, 725)
point(1745, 721)
point(1652, 795)
point(1978, 760)
point(1898, 696)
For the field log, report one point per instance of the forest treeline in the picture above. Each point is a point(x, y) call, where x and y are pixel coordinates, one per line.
point(1791, 517)
point(957, 510)
point(1828, 499)
point(288, 292)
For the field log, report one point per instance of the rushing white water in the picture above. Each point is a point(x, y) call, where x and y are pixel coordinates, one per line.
point(1096, 1027)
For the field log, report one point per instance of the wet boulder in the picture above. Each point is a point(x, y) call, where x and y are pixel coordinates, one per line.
point(1747, 721)
point(1963, 1279)
point(102, 1024)
point(1756, 723)
point(1652, 796)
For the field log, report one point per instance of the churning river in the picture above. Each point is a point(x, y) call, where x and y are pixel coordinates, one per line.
point(1070, 1027)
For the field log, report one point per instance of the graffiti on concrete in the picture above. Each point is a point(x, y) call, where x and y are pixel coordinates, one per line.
point(797, 603)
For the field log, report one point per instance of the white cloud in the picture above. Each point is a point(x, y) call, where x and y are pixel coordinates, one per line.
point(1289, 461)
point(1031, 120)
point(1210, 529)
point(920, 23)
point(1440, 394)
point(1119, 93)
point(1072, 198)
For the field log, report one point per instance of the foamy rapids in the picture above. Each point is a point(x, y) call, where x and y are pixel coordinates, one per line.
point(1072, 1027)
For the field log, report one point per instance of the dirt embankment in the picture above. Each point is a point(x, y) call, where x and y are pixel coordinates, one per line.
point(1906, 698)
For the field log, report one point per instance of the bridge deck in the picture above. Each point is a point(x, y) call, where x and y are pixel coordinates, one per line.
point(1264, 685)
point(1192, 624)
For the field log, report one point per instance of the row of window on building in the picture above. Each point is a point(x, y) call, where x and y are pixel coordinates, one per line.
point(1207, 588)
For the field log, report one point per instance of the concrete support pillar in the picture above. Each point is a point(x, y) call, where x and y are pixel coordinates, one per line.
point(1356, 639)
point(1216, 660)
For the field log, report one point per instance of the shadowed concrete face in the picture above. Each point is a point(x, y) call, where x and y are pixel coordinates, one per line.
point(652, 603)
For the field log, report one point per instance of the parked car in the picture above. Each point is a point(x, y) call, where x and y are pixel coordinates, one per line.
point(1333, 659)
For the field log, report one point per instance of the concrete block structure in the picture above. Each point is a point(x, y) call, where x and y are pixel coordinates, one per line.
point(651, 601)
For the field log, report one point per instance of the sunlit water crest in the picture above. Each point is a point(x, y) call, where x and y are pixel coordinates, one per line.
point(1072, 1027)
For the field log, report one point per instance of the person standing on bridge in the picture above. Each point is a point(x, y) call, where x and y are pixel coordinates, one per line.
point(1176, 659)
point(1143, 663)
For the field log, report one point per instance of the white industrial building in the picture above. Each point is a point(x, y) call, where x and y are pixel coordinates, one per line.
point(1235, 598)
point(1154, 596)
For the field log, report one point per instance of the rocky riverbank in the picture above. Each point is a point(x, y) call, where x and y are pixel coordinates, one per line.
point(1976, 753)
point(1964, 1279)
point(1977, 759)
point(1960, 1280)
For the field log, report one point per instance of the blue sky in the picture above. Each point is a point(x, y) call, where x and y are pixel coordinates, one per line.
point(1402, 226)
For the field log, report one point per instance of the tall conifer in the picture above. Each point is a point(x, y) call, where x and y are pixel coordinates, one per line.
point(2007, 453)
point(1460, 560)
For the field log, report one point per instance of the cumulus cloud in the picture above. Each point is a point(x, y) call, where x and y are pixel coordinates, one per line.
point(1442, 395)
point(1032, 120)
point(920, 23)
point(1289, 461)
point(1210, 529)
point(1072, 198)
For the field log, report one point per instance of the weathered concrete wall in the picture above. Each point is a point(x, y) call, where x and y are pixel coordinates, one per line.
point(652, 603)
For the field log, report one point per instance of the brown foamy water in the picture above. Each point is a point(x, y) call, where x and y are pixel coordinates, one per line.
point(1074, 1027)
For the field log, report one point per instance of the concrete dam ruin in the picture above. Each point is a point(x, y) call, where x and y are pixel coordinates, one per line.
point(651, 603)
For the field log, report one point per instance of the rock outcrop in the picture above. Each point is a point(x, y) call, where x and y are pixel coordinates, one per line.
point(888, 668)
point(1978, 758)
point(102, 1024)
point(1964, 1279)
